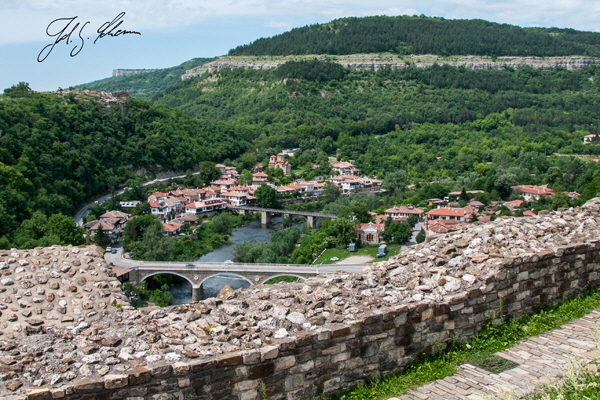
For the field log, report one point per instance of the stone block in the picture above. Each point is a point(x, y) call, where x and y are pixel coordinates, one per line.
point(116, 381)
point(337, 332)
point(138, 376)
point(252, 357)
point(249, 395)
point(183, 383)
point(180, 369)
point(285, 363)
point(87, 385)
point(341, 357)
point(246, 385)
point(294, 382)
point(161, 371)
point(230, 359)
point(39, 394)
point(269, 353)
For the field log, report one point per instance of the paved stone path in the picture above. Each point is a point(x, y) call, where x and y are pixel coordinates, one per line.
point(541, 358)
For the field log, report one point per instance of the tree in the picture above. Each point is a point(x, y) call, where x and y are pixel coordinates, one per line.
point(267, 196)
point(245, 178)
point(101, 238)
point(395, 182)
point(342, 230)
point(331, 192)
point(21, 89)
point(65, 229)
point(136, 228)
point(421, 236)
point(397, 232)
point(412, 221)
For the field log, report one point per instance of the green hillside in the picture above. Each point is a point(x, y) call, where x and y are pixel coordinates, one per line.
point(57, 151)
point(424, 35)
point(144, 84)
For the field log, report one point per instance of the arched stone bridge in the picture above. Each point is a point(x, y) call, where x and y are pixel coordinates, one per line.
point(311, 217)
point(198, 273)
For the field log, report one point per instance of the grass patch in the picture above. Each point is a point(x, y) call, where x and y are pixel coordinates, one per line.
point(363, 250)
point(582, 382)
point(490, 339)
point(491, 362)
point(278, 279)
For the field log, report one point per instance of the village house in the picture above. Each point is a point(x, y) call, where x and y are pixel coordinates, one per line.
point(111, 222)
point(278, 161)
point(206, 206)
point(172, 228)
point(530, 192)
point(404, 211)
point(129, 205)
point(224, 184)
point(259, 178)
point(345, 168)
point(587, 139)
point(238, 198)
point(191, 219)
point(442, 226)
point(369, 233)
point(445, 214)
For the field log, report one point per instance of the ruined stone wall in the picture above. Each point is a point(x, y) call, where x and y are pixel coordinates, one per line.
point(335, 332)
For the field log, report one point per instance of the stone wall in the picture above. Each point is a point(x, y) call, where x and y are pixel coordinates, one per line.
point(297, 341)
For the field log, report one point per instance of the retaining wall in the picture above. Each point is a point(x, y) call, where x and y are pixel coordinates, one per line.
point(345, 355)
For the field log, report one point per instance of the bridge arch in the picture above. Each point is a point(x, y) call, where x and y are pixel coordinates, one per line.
point(224, 274)
point(166, 272)
point(302, 278)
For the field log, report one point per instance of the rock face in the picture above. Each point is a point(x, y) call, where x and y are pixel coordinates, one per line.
point(374, 62)
point(312, 330)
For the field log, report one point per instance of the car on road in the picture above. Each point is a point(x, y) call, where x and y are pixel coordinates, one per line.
point(190, 265)
point(109, 249)
point(113, 251)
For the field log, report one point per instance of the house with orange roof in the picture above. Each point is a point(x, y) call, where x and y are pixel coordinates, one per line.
point(446, 214)
point(172, 228)
point(259, 178)
point(345, 168)
point(206, 206)
point(404, 211)
point(369, 233)
point(530, 192)
point(445, 226)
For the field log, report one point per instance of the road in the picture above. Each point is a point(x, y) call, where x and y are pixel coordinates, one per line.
point(84, 211)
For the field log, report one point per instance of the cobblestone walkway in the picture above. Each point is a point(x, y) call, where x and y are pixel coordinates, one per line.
point(541, 358)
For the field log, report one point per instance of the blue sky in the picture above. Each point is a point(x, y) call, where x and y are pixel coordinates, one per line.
point(174, 31)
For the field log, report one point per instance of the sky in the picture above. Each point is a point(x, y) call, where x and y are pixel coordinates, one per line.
point(174, 31)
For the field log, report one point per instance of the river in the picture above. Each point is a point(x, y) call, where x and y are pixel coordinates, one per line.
point(253, 232)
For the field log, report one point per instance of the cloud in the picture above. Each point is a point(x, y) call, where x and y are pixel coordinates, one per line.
point(284, 26)
point(25, 20)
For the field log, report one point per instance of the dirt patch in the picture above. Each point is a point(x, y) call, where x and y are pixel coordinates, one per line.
point(355, 260)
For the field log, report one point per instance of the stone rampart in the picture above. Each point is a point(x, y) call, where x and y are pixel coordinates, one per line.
point(297, 341)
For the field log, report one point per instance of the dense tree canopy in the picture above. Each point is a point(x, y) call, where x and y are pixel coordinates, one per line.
point(424, 35)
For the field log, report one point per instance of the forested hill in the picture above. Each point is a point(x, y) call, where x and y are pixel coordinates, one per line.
point(145, 84)
point(57, 150)
point(425, 35)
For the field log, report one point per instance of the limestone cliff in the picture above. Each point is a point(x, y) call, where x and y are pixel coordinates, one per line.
point(376, 62)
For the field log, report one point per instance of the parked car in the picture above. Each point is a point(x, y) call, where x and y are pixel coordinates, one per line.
point(114, 251)
point(109, 249)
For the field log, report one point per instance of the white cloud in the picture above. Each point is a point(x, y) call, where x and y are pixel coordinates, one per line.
point(26, 20)
point(284, 26)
